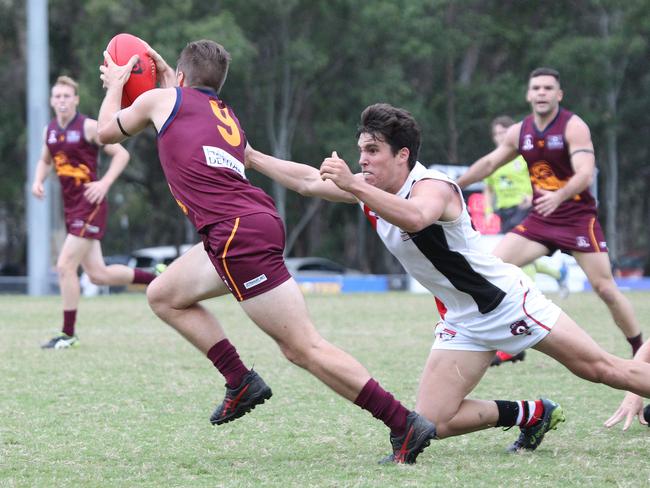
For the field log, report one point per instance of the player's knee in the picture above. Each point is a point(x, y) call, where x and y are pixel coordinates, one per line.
point(300, 353)
point(65, 269)
point(293, 355)
point(606, 290)
point(157, 298)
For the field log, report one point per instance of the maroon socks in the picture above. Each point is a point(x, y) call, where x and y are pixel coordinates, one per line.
point(225, 358)
point(383, 406)
point(142, 277)
point(69, 319)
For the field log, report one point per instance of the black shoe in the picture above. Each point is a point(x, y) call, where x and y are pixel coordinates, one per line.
point(238, 401)
point(646, 414)
point(502, 357)
point(418, 435)
point(531, 437)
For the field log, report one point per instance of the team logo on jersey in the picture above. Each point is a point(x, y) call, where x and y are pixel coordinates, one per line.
point(215, 157)
point(63, 167)
point(581, 241)
point(73, 136)
point(520, 327)
point(405, 236)
point(527, 145)
point(444, 333)
point(602, 244)
point(542, 176)
point(51, 138)
point(555, 142)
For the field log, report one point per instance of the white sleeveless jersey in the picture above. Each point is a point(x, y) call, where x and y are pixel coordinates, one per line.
point(447, 259)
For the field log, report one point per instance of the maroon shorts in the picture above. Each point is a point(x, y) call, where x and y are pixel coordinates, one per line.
point(90, 224)
point(581, 233)
point(247, 253)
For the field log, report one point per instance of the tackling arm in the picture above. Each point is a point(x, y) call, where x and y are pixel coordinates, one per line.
point(427, 204)
point(301, 178)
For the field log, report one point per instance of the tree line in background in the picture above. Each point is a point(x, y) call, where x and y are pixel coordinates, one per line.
point(302, 72)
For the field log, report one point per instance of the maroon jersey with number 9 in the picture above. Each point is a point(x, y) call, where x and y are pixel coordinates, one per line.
point(201, 148)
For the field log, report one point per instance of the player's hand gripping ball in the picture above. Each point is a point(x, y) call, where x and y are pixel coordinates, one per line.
point(143, 75)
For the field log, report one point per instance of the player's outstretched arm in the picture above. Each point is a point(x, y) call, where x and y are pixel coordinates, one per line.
point(427, 203)
point(301, 178)
point(632, 404)
point(488, 164)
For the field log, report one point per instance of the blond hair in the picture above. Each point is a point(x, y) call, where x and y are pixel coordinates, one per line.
point(67, 81)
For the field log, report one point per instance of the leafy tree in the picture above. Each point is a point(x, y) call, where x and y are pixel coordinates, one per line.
point(303, 71)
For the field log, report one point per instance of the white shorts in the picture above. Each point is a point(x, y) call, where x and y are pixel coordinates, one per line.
point(523, 319)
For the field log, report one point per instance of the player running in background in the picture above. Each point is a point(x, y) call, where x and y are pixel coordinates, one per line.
point(558, 150)
point(509, 194)
point(486, 304)
point(71, 147)
point(201, 147)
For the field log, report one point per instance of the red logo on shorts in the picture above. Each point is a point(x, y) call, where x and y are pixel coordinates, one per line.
point(520, 328)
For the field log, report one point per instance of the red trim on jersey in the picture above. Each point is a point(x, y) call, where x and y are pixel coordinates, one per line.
point(370, 215)
point(442, 310)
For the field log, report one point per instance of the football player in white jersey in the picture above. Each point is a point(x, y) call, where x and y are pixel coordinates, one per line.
point(485, 304)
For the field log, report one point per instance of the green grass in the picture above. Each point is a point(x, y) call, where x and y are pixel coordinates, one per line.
point(130, 407)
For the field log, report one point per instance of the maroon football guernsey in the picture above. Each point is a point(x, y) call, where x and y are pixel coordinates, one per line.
point(75, 162)
point(201, 149)
point(549, 164)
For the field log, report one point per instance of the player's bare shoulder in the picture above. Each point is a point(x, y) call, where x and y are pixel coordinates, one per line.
point(157, 104)
point(577, 134)
point(577, 126)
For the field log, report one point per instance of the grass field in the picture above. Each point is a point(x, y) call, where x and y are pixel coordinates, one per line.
point(130, 407)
